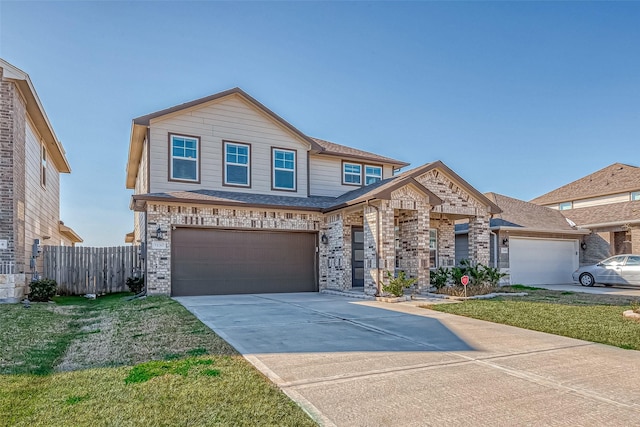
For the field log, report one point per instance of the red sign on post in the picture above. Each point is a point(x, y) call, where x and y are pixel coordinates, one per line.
point(464, 280)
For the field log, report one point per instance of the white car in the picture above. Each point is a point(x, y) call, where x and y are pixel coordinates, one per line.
point(617, 270)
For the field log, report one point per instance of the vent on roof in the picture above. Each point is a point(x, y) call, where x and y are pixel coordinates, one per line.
point(571, 223)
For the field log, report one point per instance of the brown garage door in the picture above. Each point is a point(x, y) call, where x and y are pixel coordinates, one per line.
point(218, 262)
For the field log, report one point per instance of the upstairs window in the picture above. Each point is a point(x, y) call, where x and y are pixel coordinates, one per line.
point(236, 164)
point(372, 174)
point(635, 195)
point(284, 169)
point(43, 167)
point(566, 205)
point(351, 174)
point(184, 158)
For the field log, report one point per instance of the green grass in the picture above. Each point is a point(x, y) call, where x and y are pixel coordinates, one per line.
point(116, 362)
point(596, 318)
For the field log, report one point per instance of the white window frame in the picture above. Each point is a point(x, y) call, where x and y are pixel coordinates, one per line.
point(435, 234)
point(196, 160)
point(344, 174)
point(367, 175)
point(247, 165)
point(565, 206)
point(274, 169)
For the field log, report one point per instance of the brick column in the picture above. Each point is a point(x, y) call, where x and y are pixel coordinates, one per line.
point(479, 239)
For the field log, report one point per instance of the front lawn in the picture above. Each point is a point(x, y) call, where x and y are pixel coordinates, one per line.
point(116, 362)
point(596, 318)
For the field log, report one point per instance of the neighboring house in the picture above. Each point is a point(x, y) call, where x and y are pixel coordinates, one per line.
point(535, 245)
point(230, 198)
point(607, 202)
point(30, 167)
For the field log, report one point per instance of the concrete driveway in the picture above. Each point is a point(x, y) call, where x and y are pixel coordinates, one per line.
point(633, 291)
point(364, 363)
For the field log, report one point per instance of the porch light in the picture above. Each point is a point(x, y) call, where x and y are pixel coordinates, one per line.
point(160, 233)
point(505, 241)
point(324, 239)
point(583, 245)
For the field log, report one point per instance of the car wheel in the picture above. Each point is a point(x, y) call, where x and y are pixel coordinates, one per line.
point(587, 279)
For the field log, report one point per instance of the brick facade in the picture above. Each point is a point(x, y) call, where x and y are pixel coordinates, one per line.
point(396, 234)
point(12, 190)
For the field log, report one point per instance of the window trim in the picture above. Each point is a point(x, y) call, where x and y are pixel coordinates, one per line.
point(43, 165)
point(343, 173)
point(431, 267)
point(225, 142)
point(560, 208)
point(170, 158)
point(295, 169)
point(364, 172)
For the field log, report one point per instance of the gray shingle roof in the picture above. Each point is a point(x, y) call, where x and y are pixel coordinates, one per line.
point(616, 178)
point(342, 150)
point(518, 213)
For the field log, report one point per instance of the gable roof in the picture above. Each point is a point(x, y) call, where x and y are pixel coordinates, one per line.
point(518, 213)
point(416, 172)
point(615, 178)
point(333, 149)
point(37, 114)
point(318, 146)
point(605, 215)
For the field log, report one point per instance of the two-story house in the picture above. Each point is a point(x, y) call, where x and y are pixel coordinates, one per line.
point(230, 198)
point(30, 167)
point(607, 202)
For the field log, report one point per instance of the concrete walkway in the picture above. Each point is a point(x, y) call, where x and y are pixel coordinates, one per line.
point(366, 363)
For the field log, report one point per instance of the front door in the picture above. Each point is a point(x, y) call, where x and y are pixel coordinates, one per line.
point(357, 257)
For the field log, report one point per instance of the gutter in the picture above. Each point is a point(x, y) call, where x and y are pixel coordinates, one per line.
point(611, 224)
point(581, 231)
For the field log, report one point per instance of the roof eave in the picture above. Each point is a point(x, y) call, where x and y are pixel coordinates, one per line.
point(38, 115)
point(70, 234)
point(136, 144)
point(394, 163)
point(139, 202)
point(580, 231)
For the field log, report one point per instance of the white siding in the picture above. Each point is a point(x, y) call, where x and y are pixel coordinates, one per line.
point(325, 175)
point(42, 204)
point(229, 119)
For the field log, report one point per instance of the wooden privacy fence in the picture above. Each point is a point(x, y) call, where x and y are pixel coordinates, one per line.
point(83, 270)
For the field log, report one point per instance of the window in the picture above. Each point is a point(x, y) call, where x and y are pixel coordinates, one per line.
point(184, 158)
point(351, 174)
point(433, 248)
point(284, 169)
point(633, 260)
point(43, 167)
point(372, 174)
point(566, 205)
point(236, 164)
point(635, 195)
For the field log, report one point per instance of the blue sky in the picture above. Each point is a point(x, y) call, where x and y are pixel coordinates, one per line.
point(516, 97)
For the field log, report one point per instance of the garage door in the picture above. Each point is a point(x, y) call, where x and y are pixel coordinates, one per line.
point(217, 262)
point(542, 261)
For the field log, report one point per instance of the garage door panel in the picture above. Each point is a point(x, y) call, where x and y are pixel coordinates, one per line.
point(211, 261)
point(542, 261)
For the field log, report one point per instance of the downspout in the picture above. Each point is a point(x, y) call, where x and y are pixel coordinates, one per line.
point(377, 246)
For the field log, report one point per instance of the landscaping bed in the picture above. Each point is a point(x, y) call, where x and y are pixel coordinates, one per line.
point(590, 317)
point(116, 362)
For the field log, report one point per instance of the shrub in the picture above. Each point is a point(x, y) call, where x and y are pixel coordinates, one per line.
point(42, 290)
point(397, 285)
point(135, 284)
point(439, 277)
